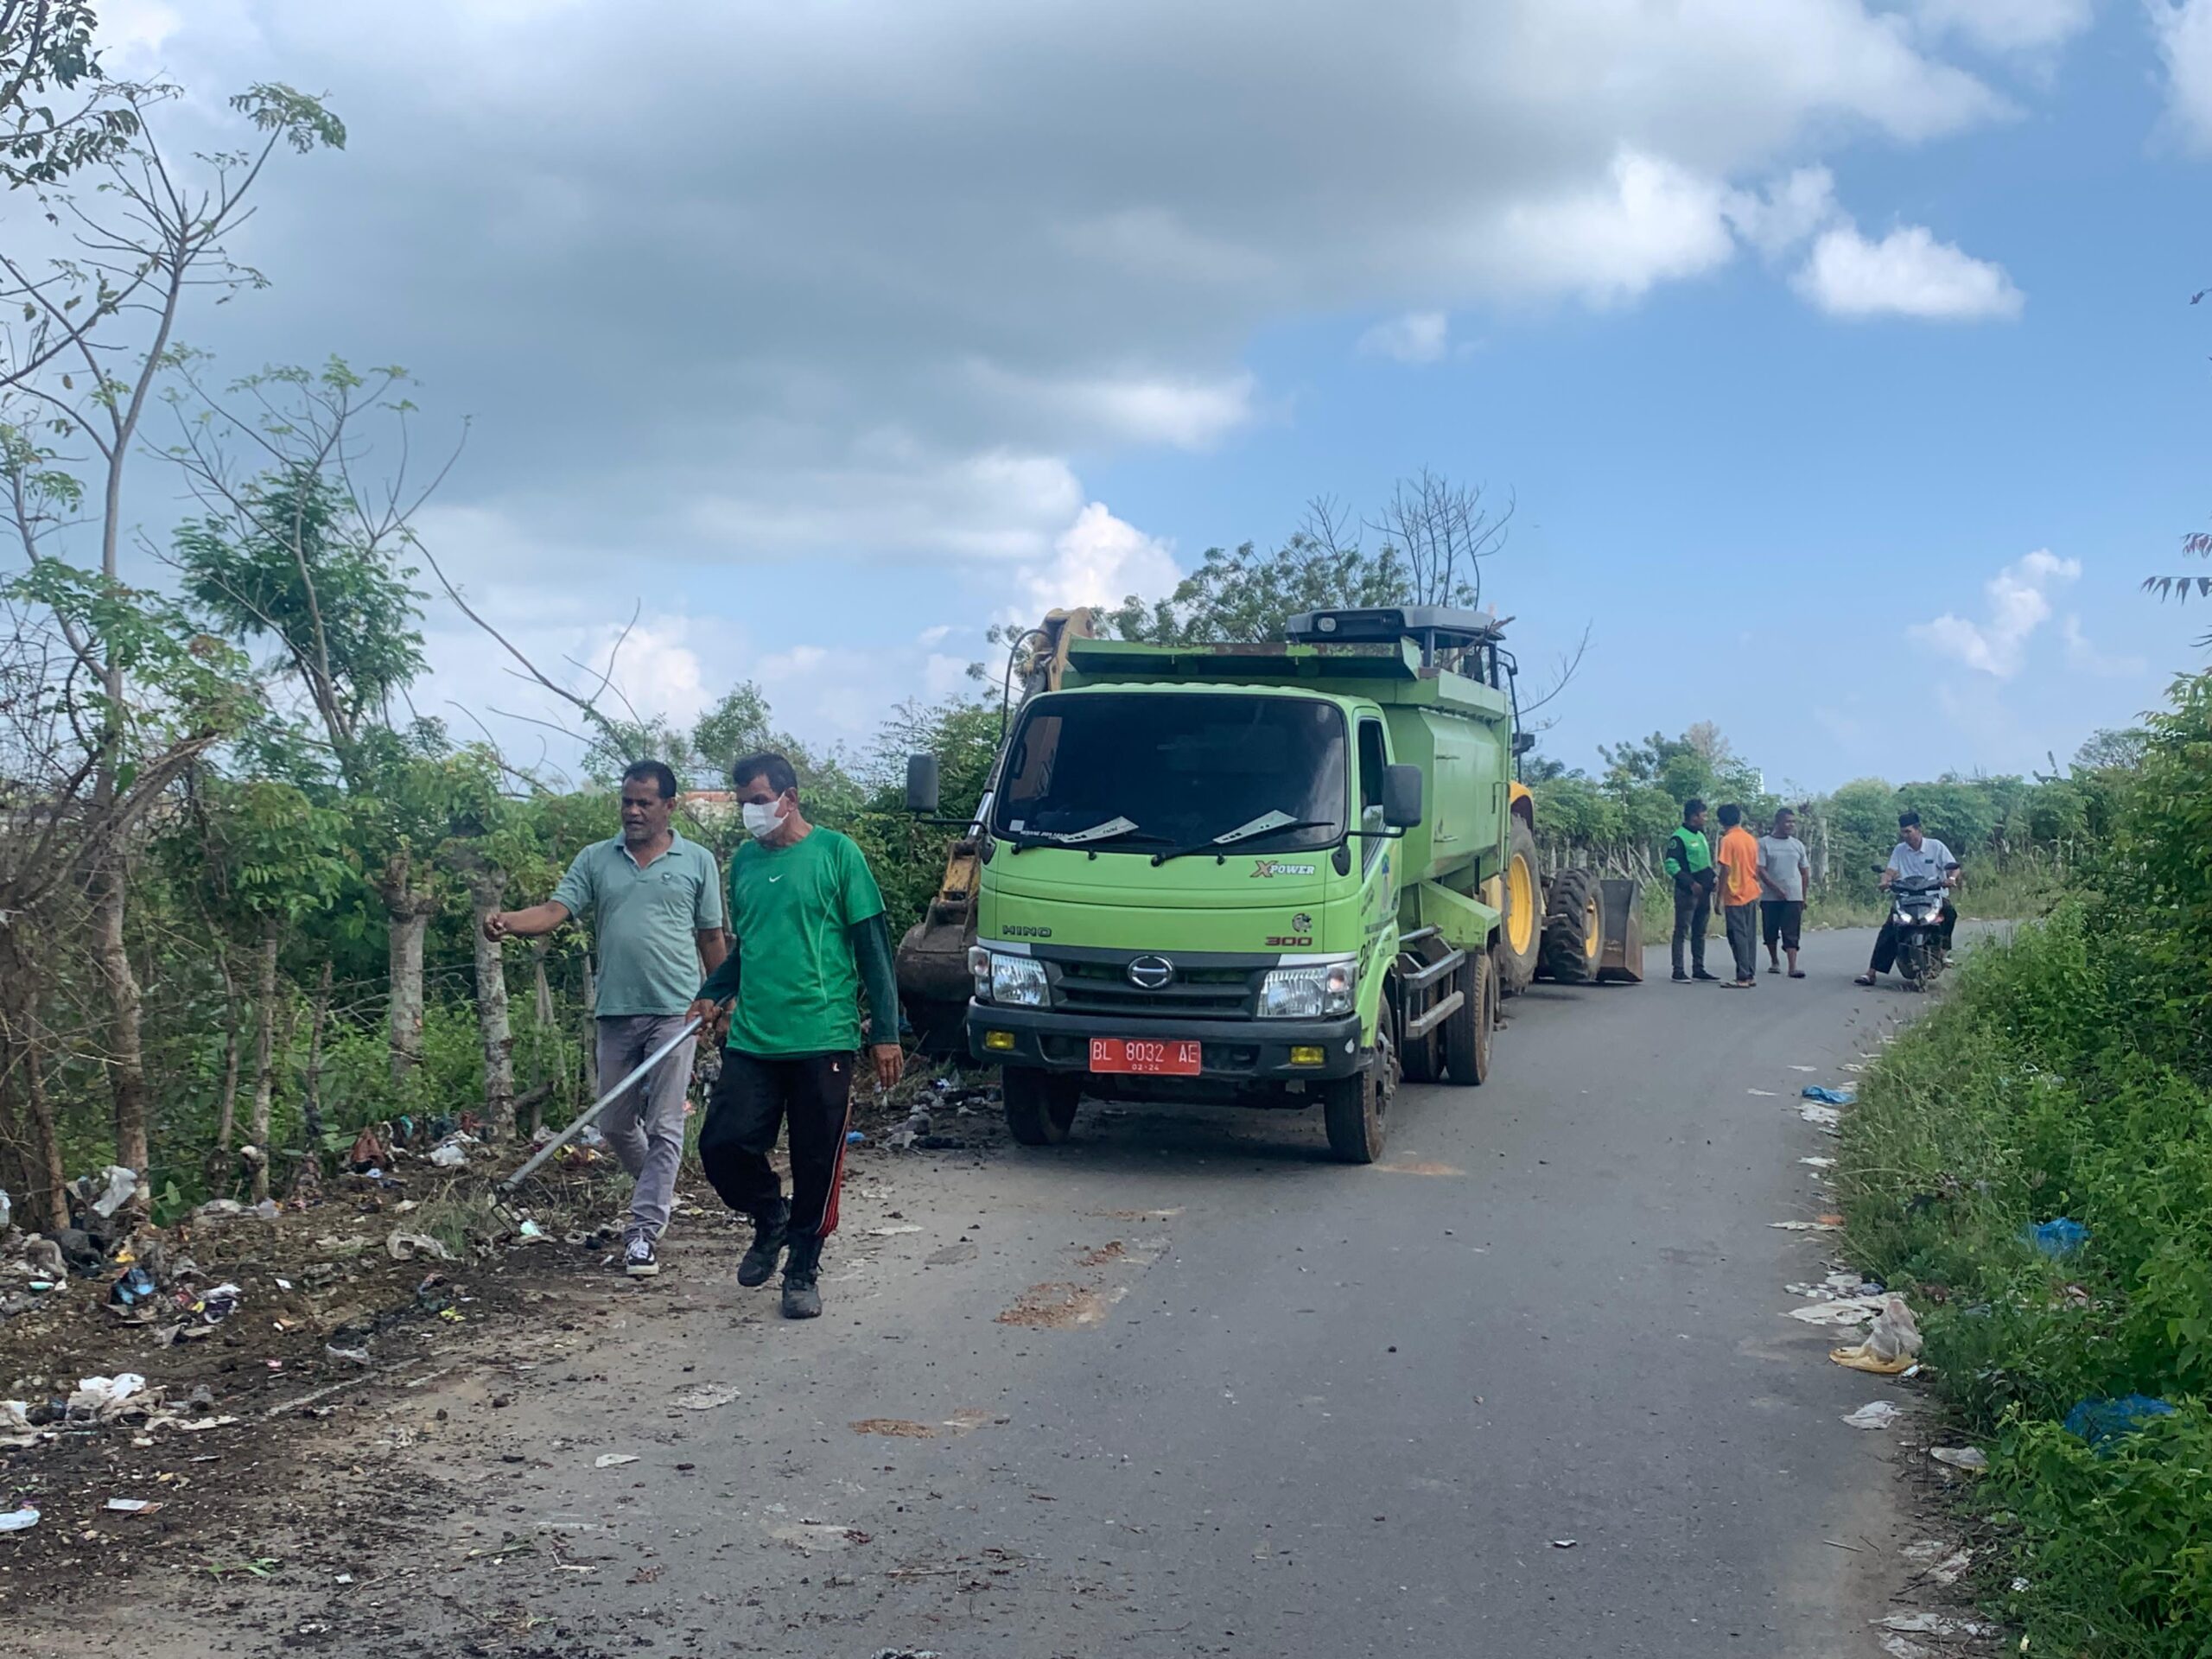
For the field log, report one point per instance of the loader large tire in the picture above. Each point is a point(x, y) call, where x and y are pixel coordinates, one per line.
point(1466, 1031)
point(1574, 931)
point(1522, 931)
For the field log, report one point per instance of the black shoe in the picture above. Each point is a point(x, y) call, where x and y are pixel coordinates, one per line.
point(802, 1300)
point(1680, 976)
point(759, 1265)
point(639, 1259)
point(1699, 974)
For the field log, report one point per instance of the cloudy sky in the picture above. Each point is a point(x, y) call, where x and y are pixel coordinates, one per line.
point(1838, 354)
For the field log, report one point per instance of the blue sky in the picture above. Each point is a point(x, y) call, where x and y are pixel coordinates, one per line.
point(1838, 355)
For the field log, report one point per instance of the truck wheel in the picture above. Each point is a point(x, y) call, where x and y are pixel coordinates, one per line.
point(1574, 928)
point(1354, 1109)
point(1522, 930)
point(1039, 1107)
point(1466, 1033)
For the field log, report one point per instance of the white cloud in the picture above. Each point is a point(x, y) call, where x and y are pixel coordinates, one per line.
point(1907, 274)
point(2007, 25)
point(2183, 32)
point(2082, 653)
point(1414, 337)
point(1649, 221)
point(2019, 603)
point(1787, 213)
point(1097, 560)
point(775, 292)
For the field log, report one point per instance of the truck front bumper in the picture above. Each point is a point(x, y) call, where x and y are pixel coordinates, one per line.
point(1233, 1051)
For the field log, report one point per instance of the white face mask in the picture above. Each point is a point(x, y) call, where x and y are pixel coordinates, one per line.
point(764, 819)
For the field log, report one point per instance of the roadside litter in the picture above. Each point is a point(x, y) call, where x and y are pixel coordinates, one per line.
point(405, 1246)
point(104, 1398)
point(612, 1459)
point(21, 1520)
point(1840, 1310)
point(1807, 1226)
point(1892, 1342)
point(2105, 1423)
point(1829, 1096)
point(2060, 1238)
point(1875, 1414)
point(130, 1505)
point(1825, 1118)
point(708, 1398)
point(1972, 1458)
point(1933, 1624)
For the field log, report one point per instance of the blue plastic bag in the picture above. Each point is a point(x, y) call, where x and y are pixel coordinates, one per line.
point(2058, 1238)
point(2103, 1422)
point(1829, 1096)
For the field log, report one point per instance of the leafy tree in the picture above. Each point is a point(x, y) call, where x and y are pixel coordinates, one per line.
point(293, 559)
point(45, 49)
point(1247, 595)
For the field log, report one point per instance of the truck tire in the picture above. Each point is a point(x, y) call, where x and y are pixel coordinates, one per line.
point(1355, 1109)
point(1575, 932)
point(1039, 1107)
point(1521, 931)
point(1466, 1033)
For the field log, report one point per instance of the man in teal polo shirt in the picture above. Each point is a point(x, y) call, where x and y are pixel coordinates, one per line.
point(810, 937)
point(656, 906)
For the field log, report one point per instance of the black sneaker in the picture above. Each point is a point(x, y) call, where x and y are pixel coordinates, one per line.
point(1699, 974)
point(801, 1299)
point(759, 1265)
point(639, 1259)
point(1680, 978)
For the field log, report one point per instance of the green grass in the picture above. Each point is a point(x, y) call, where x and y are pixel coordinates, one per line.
point(2048, 1081)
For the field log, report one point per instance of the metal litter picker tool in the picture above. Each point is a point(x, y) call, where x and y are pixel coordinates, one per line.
point(508, 1188)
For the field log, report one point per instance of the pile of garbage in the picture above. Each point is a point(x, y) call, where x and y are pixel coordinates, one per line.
point(947, 1101)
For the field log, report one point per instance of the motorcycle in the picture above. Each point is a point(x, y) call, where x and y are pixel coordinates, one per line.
point(1916, 918)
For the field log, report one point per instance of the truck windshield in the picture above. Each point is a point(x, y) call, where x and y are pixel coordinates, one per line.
point(1136, 772)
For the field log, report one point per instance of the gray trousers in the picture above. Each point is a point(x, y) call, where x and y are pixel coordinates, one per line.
point(1743, 939)
point(645, 1124)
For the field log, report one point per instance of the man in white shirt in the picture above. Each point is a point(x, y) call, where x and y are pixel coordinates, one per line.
point(1918, 856)
point(1785, 880)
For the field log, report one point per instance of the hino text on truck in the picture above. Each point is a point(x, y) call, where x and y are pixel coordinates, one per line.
point(1270, 874)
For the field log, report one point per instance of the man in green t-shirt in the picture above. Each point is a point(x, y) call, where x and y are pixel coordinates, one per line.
point(810, 936)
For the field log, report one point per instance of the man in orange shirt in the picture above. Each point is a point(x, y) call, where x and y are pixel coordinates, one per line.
point(1738, 859)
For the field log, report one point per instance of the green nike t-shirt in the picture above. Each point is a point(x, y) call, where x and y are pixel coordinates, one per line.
point(792, 909)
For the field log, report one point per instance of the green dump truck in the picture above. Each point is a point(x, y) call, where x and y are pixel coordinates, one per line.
point(1274, 875)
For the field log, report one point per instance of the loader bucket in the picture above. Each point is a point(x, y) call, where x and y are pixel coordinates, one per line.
point(1621, 916)
point(934, 984)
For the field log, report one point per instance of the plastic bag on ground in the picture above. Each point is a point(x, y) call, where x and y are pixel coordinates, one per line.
point(1829, 1096)
point(1892, 1342)
point(21, 1520)
point(405, 1247)
point(2104, 1422)
point(104, 1397)
point(2058, 1237)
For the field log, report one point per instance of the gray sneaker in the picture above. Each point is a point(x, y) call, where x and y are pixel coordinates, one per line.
point(639, 1259)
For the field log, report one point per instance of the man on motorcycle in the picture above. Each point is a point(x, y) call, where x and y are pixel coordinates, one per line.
point(1918, 856)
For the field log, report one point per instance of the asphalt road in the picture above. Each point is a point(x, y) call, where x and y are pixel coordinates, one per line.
point(1184, 1386)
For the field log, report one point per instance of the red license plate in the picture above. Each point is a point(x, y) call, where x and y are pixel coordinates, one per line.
point(1178, 1059)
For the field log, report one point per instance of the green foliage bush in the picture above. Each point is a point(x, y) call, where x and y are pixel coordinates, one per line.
point(2067, 1073)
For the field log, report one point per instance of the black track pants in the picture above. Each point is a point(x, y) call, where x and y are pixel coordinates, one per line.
point(753, 1098)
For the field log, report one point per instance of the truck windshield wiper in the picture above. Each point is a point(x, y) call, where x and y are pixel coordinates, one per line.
point(1116, 828)
point(1267, 824)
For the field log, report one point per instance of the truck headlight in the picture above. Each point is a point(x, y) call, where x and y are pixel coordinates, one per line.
point(1314, 993)
point(1014, 981)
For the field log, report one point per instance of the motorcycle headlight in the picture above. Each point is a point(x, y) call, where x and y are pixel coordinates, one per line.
point(1015, 982)
point(1313, 993)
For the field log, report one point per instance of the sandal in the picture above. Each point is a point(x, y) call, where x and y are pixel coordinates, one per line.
point(1866, 980)
point(1797, 973)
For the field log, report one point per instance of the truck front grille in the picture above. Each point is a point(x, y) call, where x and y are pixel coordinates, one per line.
point(1195, 993)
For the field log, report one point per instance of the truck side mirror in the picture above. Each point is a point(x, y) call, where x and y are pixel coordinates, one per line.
point(921, 784)
point(1401, 797)
point(1524, 742)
